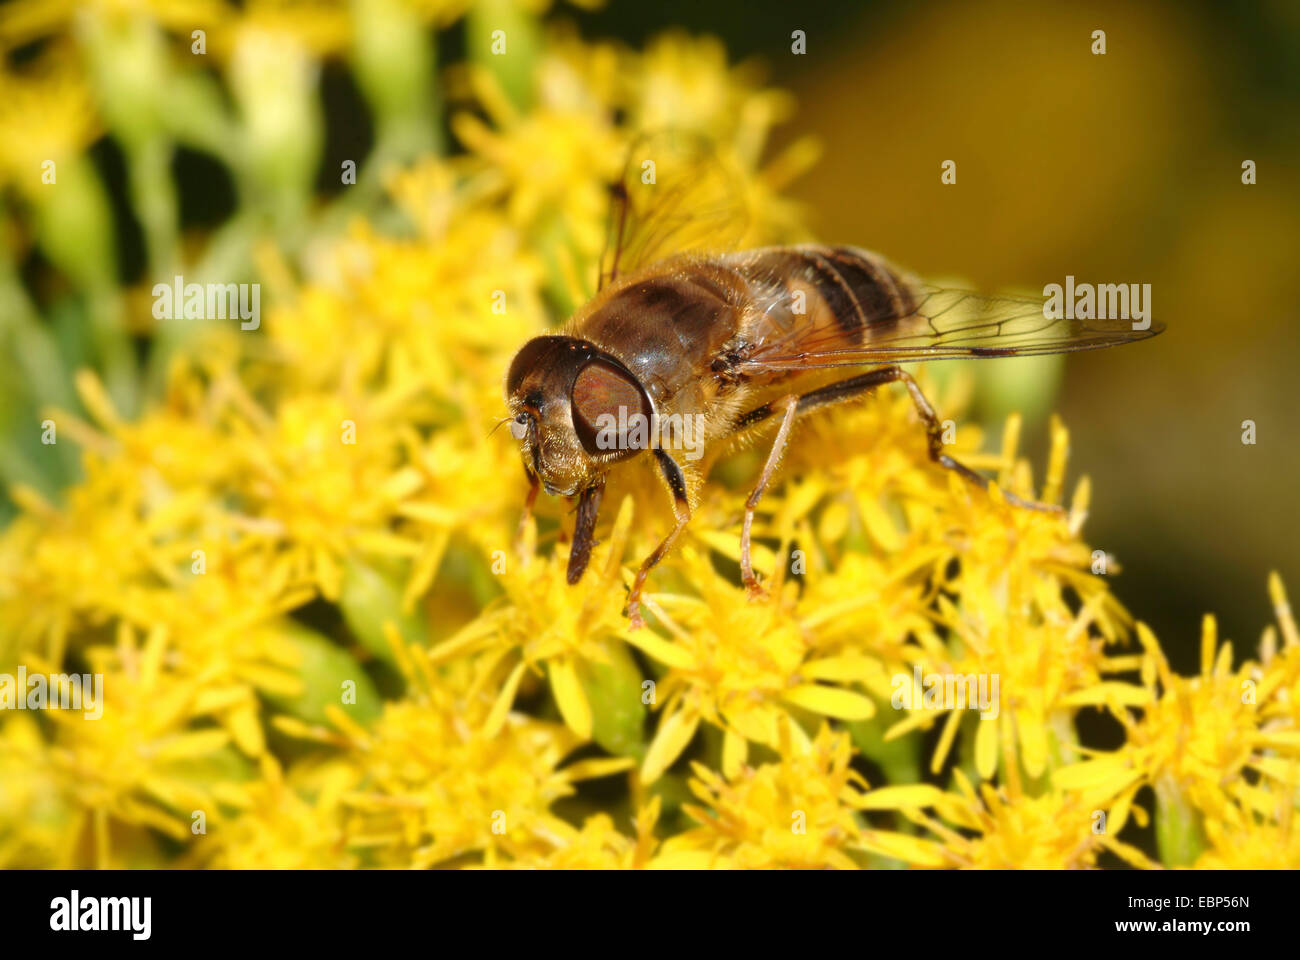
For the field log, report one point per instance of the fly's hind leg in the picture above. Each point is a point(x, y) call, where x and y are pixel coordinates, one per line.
point(793, 407)
point(676, 481)
point(934, 431)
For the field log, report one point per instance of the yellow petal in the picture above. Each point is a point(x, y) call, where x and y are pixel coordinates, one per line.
point(1130, 854)
point(1277, 768)
point(597, 767)
point(757, 725)
point(831, 701)
point(687, 860)
point(1282, 608)
point(570, 697)
point(245, 726)
point(735, 751)
point(1033, 743)
point(728, 544)
point(430, 513)
point(425, 569)
point(986, 746)
point(945, 740)
point(95, 399)
point(1108, 692)
point(902, 797)
point(271, 680)
point(670, 740)
point(1119, 812)
point(187, 745)
point(900, 846)
point(880, 524)
point(1109, 772)
point(835, 521)
point(462, 641)
point(215, 699)
point(1209, 641)
point(1278, 738)
point(497, 715)
point(343, 721)
point(847, 669)
point(402, 484)
point(669, 654)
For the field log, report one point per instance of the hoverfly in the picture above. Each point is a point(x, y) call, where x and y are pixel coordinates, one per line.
point(683, 327)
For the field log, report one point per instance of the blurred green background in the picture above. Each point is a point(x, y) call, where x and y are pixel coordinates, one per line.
point(1125, 167)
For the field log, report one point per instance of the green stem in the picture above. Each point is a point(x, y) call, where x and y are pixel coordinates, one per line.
point(1180, 836)
point(493, 23)
point(153, 195)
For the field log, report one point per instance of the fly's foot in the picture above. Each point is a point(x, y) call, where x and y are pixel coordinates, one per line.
point(635, 620)
point(753, 587)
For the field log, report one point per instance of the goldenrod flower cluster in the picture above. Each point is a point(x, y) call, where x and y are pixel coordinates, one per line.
point(293, 558)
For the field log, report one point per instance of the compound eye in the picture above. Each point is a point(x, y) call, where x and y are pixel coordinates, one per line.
point(610, 411)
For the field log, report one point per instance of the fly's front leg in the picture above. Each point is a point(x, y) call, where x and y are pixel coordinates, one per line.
point(584, 531)
point(676, 481)
point(790, 405)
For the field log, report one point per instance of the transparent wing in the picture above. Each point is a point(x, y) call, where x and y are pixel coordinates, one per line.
point(676, 194)
point(948, 325)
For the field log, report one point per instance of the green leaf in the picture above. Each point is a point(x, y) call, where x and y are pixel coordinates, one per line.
point(369, 599)
point(614, 692)
point(324, 668)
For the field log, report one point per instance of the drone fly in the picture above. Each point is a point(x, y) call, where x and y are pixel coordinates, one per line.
point(689, 342)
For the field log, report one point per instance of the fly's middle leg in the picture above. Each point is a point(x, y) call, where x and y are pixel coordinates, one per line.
point(790, 406)
point(676, 481)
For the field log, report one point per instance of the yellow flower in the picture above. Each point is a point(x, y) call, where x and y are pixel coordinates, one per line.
point(34, 813)
point(1260, 835)
point(797, 813)
point(47, 115)
point(1196, 739)
point(308, 537)
point(874, 614)
point(291, 825)
point(740, 666)
point(146, 503)
point(597, 845)
point(28, 20)
point(998, 828)
point(434, 789)
point(546, 625)
point(549, 164)
point(686, 82)
point(148, 763)
point(1278, 676)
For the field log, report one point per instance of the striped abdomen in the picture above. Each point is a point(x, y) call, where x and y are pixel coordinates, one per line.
point(814, 298)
